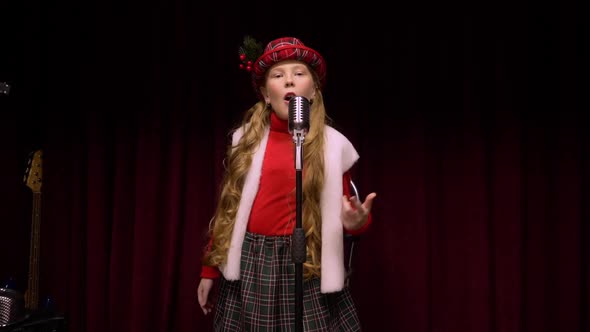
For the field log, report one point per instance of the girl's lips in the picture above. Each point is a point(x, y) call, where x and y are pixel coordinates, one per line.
point(289, 95)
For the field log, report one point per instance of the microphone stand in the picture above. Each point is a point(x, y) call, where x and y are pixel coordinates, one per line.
point(298, 253)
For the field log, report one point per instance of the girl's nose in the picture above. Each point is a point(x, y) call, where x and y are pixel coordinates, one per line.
point(289, 81)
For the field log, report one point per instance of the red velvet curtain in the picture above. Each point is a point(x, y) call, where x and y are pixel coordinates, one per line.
point(469, 125)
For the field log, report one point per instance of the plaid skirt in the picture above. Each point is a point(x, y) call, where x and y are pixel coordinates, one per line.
point(264, 297)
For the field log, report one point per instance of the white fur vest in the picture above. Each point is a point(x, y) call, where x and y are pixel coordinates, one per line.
point(339, 156)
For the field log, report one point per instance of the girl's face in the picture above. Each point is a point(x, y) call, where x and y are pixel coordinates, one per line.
point(284, 80)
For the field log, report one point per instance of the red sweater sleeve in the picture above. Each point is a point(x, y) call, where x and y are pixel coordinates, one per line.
point(210, 272)
point(346, 179)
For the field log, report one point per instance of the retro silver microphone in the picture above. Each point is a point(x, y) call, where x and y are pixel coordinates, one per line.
point(298, 126)
point(298, 115)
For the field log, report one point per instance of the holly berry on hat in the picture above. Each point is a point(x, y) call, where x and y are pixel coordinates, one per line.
point(249, 52)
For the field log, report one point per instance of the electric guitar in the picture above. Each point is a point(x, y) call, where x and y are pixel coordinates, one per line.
point(33, 179)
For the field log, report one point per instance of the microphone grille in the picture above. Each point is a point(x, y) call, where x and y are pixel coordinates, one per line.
point(298, 114)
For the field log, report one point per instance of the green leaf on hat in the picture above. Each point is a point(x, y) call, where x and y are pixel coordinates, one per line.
point(251, 49)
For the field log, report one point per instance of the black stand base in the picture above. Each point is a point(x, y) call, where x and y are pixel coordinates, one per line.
point(38, 322)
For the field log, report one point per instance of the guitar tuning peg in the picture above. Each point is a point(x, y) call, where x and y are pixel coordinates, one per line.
point(4, 88)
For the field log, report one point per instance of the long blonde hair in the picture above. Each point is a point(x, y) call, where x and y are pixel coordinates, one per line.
point(239, 159)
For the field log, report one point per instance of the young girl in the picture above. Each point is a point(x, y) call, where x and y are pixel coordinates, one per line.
point(250, 236)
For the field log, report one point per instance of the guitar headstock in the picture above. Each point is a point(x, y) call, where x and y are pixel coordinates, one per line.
point(34, 173)
point(4, 88)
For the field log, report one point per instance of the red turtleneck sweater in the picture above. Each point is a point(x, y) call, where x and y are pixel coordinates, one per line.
point(273, 210)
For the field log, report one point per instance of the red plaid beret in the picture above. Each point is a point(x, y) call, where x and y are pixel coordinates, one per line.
point(287, 48)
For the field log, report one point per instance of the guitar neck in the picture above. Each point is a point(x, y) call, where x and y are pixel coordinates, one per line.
point(33, 179)
point(32, 293)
